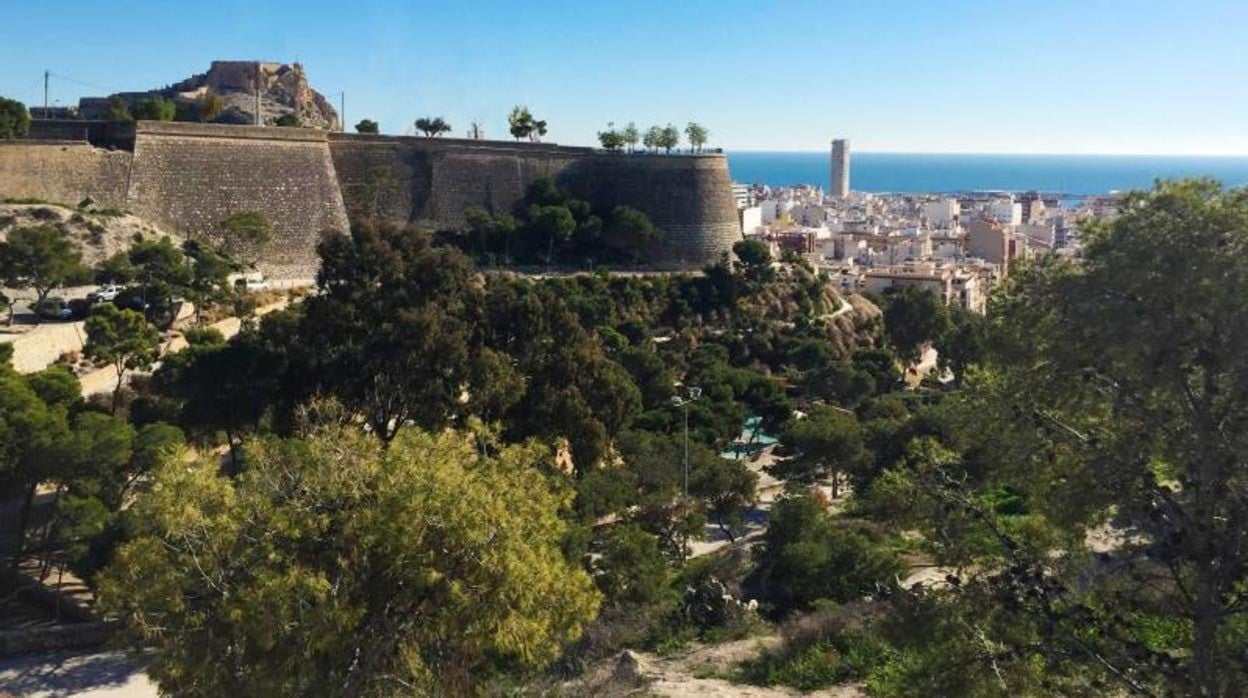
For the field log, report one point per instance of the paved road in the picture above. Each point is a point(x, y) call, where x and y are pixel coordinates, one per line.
point(99, 675)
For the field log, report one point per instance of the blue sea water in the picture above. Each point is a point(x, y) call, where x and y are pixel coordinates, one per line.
point(929, 172)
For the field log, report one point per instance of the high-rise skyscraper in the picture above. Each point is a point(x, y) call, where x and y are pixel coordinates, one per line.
point(839, 185)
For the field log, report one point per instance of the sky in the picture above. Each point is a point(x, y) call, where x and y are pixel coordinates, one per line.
point(970, 76)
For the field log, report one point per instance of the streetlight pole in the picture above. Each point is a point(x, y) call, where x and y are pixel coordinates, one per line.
point(694, 394)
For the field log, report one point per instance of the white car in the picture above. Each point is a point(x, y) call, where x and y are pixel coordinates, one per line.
point(103, 294)
point(251, 284)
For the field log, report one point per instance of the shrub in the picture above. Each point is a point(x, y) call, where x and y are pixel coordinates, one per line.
point(203, 336)
point(14, 119)
point(807, 556)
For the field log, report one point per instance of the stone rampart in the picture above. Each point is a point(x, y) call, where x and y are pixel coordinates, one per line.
point(189, 177)
point(64, 172)
point(431, 182)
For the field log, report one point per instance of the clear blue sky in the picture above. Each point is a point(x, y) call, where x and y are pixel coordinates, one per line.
point(1084, 76)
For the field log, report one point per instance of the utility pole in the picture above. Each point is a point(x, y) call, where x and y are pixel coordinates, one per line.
point(46, 73)
point(342, 111)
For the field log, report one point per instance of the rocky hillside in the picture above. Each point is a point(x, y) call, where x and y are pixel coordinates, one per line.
point(284, 90)
point(99, 233)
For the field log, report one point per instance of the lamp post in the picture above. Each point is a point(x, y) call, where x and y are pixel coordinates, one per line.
point(695, 394)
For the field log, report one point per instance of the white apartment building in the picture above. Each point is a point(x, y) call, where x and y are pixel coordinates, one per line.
point(751, 219)
point(942, 214)
point(1006, 211)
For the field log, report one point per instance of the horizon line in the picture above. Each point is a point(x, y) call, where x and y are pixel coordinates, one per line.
point(1003, 153)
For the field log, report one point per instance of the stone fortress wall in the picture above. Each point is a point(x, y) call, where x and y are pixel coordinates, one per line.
point(188, 177)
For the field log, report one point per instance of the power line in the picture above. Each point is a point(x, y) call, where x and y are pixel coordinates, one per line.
point(84, 83)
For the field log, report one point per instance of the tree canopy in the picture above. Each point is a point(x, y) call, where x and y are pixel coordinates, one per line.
point(332, 566)
point(432, 126)
point(41, 258)
point(14, 119)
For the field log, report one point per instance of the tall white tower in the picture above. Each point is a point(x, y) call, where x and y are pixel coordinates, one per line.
point(839, 184)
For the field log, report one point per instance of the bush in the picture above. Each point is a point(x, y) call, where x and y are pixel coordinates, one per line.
point(14, 119)
point(203, 336)
point(807, 556)
point(632, 569)
point(834, 644)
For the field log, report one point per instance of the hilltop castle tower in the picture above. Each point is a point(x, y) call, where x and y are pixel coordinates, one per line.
point(838, 185)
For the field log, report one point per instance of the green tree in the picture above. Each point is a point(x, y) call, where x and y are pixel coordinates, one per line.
point(14, 119)
point(652, 138)
point(124, 339)
point(631, 136)
point(432, 126)
point(117, 110)
point(520, 122)
point(1113, 387)
point(41, 258)
point(553, 225)
point(827, 443)
point(367, 126)
point(394, 317)
point(7, 304)
point(965, 342)
point(697, 135)
point(154, 109)
point(632, 569)
point(807, 555)
point(287, 120)
point(611, 139)
point(158, 272)
point(753, 260)
point(333, 566)
point(729, 489)
point(631, 230)
point(30, 431)
point(209, 105)
point(221, 387)
point(209, 280)
point(669, 137)
point(914, 316)
point(245, 234)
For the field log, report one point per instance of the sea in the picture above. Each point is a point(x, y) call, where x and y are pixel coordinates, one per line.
point(902, 173)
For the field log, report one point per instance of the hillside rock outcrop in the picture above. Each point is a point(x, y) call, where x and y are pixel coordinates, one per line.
point(284, 90)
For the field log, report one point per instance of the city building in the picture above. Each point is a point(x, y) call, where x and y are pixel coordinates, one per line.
point(989, 241)
point(942, 213)
point(839, 180)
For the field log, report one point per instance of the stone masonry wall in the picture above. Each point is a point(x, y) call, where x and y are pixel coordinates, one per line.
point(688, 197)
point(189, 177)
point(63, 172)
point(432, 181)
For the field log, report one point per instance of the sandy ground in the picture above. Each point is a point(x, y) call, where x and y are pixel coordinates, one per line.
point(97, 235)
point(100, 675)
point(689, 674)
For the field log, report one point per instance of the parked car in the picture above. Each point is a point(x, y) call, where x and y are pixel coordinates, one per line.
point(251, 284)
point(80, 308)
point(53, 309)
point(104, 293)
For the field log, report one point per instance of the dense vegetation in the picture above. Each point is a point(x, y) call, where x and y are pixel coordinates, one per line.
point(437, 478)
point(552, 227)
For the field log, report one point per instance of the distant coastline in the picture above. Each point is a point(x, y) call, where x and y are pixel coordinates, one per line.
point(1066, 175)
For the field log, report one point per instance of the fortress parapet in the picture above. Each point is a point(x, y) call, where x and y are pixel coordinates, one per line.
point(188, 177)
